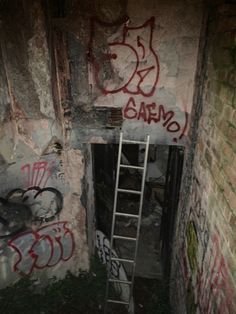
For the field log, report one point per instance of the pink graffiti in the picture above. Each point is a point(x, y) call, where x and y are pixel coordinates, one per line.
point(154, 113)
point(36, 174)
point(213, 283)
point(141, 76)
point(43, 248)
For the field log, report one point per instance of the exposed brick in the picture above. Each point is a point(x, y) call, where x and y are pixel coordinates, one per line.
point(232, 222)
point(231, 78)
point(216, 172)
point(214, 85)
point(222, 58)
point(213, 114)
point(228, 9)
point(222, 76)
point(217, 153)
point(232, 134)
point(206, 125)
point(227, 24)
point(215, 156)
point(233, 117)
point(227, 94)
point(200, 145)
point(227, 113)
point(234, 101)
point(208, 96)
point(232, 264)
point(230, 173)
point(230, 197)
point(218, 104)
point(226, 151)
point(232, 243)
point(223, 125)
point(208, 156)
point(222, 225)
point(226, 40)
point(227, 212)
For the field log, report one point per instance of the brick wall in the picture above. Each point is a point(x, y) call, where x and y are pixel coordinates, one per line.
point(204, 258)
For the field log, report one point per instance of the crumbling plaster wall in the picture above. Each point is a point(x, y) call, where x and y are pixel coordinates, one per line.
point(135, 70)
point(203, 264)
point(77, 72)
point(44, 234)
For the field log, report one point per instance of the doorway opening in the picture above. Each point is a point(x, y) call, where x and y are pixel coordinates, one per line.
point(160, 203)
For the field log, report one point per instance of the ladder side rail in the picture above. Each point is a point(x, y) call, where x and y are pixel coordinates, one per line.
point(115, 213)
point(116, 191)
point(113, 218)
point(140, 212)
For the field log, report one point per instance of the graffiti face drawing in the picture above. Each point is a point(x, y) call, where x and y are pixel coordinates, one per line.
point(134, 63)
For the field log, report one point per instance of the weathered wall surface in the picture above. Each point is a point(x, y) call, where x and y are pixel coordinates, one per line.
point(135, 69)
point(204, 260)
point(42, 219)
point(71, 73)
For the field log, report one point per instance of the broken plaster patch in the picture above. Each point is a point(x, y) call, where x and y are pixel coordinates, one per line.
point(97, 140)
point(73, 162)
point(39, 65)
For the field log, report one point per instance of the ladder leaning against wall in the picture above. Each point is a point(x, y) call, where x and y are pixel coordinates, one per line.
point(117, 213)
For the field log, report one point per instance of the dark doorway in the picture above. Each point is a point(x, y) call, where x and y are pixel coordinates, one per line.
point(158, 206)
point(170, 205)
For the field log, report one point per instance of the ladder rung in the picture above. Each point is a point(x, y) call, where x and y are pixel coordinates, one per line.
point(126, 215)
point(118, 212)
point(129, 191)
point(131, 167)
point(126, 260)
point(116, 301)
point(121, 281)
point(134, 142)
point(124, 238)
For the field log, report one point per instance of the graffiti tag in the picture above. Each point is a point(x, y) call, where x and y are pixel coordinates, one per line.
point(36, 174)
point(45, 203)
point(154, 113)
point(103, 246)
point(141, 77)
point(43, 248)
point(215, 293)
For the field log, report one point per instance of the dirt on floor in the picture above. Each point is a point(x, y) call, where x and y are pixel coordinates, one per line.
point(151, 296)
point(82, 294)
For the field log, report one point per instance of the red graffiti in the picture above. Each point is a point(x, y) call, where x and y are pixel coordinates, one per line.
point(141, 61)
point(36, 174)
point(214, 290)
point(154, 113)
point(43, 248)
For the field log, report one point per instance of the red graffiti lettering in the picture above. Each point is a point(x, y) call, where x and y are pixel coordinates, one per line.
point(43, 248)
point(142, 75)
point(37, 174)
point(142, 112)
point(214, 287)
point(153, 113)
point(129, 110)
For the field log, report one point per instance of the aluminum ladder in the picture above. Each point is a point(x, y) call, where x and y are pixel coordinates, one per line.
point(116, 214)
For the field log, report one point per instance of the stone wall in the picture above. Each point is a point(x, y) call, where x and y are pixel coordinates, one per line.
point(43, 222)
point(204, 259)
